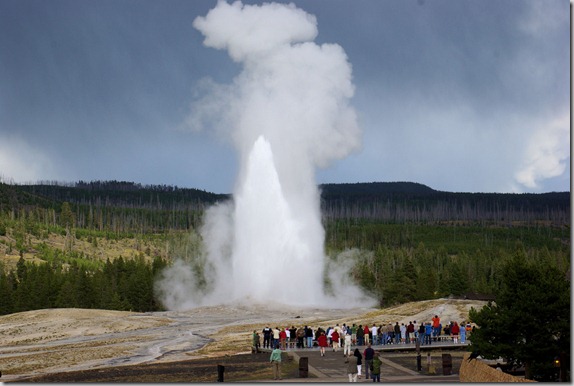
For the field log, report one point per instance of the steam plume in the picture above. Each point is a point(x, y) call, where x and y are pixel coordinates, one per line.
point(287, 113)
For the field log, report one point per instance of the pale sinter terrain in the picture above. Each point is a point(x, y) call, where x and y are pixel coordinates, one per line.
point(56, 340)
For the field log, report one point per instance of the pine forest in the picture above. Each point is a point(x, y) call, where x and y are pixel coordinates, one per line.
point(101, 244)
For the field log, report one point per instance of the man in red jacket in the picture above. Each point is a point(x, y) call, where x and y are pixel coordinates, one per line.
point(436, 325)
point(367, 335)
point(455, 330)
point(322, 341)
point(410, 332)
point(335, 339)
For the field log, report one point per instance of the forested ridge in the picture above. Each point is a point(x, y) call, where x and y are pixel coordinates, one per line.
point(401, 202)
point(390, 202)
point(100, 244)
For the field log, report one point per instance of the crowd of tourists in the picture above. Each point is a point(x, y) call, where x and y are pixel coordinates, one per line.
point(343, 337)
point(346, 336)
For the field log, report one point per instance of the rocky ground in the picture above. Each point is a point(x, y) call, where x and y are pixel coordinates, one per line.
point(68, 344)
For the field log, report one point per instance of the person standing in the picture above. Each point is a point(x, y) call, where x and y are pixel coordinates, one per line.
point(367, 334)
point(256, 342)
point(368, 356)
point(275, 332)
point(436, 325)
point(390, 334)
point(292, 336)
point(415, 332)
point(352, 366)
point(462, 333)
point(275, 360)
point(266, 337)
point(403, 330)
point(376, 370)
point(309, 336)
point(360, 335)
point(283, 339)
point(335, 340)
point(347, 348)
point(374, 336)
point(428, 333)
point(454, 331)
point(469, 330)
point(397, 333)
point(411, 333)
point(422, 333)
point(359, 356)
point(287, 336)
point(329, 335)
point(300, 337)
point(323, 343)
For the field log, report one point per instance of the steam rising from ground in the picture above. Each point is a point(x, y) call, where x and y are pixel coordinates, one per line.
point(287, 113)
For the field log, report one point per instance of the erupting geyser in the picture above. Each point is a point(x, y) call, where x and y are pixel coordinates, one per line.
point(287, 113)
point(274, 245)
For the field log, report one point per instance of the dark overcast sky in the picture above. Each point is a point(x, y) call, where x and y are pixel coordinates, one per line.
point(459, 95)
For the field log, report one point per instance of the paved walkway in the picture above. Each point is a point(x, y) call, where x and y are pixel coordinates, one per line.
point(332, 367)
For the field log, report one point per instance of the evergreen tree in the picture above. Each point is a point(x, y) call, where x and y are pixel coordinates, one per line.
point(21, 269)
point(456, 282)
point(402, 287)
point(530, 322)
point(7, 286)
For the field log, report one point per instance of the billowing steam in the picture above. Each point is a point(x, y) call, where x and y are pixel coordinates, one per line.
point(287, 113)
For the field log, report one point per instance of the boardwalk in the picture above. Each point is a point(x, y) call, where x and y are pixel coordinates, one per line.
point(332, 367)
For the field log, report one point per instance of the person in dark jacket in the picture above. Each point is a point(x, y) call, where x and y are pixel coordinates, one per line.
point(359, 356)
point(422, 333)
point(360, 335)
point(266, 337)
point(397, 333)
point(368, 356)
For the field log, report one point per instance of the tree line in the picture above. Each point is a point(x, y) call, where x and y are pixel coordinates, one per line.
point(400, 263)
point(130, 207)
point(397, 258)
point(405, 202)
point(121, 284)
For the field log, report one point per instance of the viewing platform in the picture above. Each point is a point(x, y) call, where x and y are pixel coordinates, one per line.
point(443, 344)
point(333, 368)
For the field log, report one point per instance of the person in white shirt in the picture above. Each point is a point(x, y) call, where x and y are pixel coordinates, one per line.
point(403, 330)
point(374, 332)
point(347, 349)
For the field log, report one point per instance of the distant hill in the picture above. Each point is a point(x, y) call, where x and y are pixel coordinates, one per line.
point(114, 193)
point(119, 205)
point(374, 188)
point(395, 202)
point(413, 202)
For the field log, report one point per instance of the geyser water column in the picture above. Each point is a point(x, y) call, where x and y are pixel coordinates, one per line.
point(274, 259)
point(287, 113)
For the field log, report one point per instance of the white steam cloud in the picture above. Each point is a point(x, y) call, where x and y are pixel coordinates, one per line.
point(287, 113)
point(21, 162)
point(546, 153)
